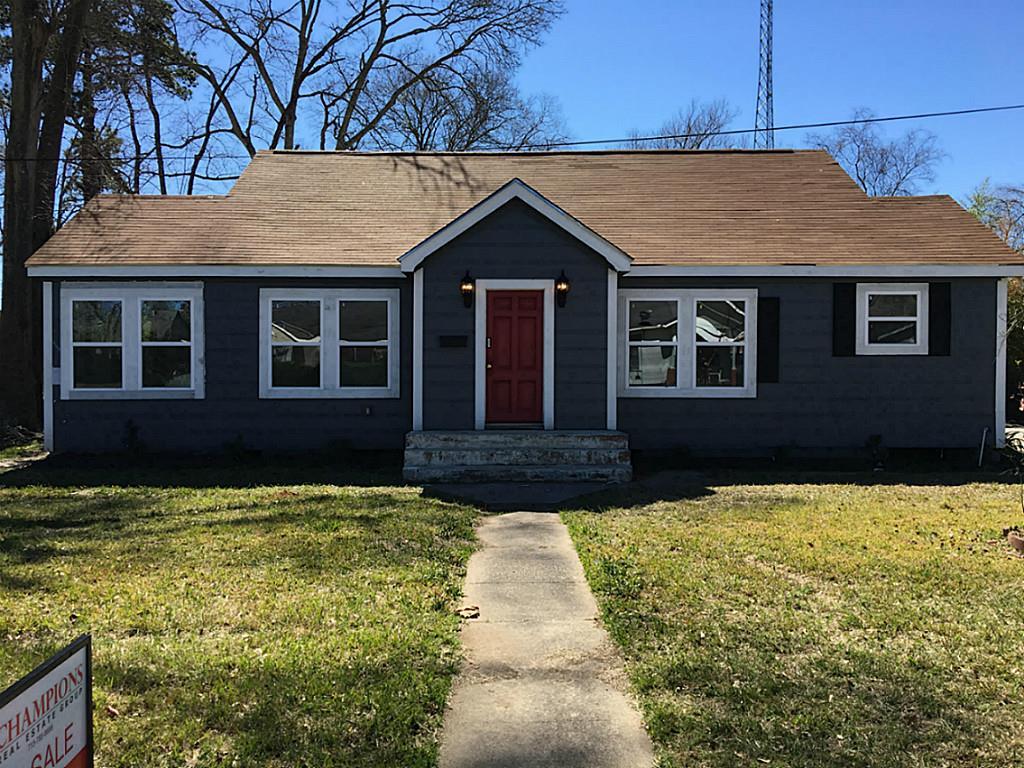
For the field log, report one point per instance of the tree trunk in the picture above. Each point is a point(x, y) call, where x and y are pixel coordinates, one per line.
point(28, 42)
point(158, 141)
point(32, 153)
point(91, 159)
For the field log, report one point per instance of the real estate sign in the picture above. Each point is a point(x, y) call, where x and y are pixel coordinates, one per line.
point(46, 717)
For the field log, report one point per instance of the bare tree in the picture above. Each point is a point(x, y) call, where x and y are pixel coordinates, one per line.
point(697, 126)
point(328, 74)
point(45, 43)
point(480, 110)
point(882, 167)
point(1002, 210)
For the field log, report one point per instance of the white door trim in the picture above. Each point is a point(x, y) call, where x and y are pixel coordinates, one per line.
point(1001, 333)
point(480, 344)
point(612, 394)
point(417, 350)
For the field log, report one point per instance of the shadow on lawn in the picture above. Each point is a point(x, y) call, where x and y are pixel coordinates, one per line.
point(279, 707)
point(817, 707)
point(362, 468)
point(143, 525)
point(653, 486)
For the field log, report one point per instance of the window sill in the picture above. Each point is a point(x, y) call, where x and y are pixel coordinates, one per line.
point(328, 394)
point(666, 393)
point(144, 394)
point(891, 351)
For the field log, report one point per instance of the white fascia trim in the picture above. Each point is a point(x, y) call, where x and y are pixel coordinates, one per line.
point(48, 366)
point(811, 270)
point(1001, 333)
point(512, 190)
point(193, 271)
point(417, 350)
point(480, 345)
point(613, 347)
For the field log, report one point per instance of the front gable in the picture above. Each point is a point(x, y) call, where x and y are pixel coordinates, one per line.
point(516, 190)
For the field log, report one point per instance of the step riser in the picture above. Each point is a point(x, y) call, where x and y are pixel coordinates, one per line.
point(514, 456)
point(518, 474)
point(548, 440)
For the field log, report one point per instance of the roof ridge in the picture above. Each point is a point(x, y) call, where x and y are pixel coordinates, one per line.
point(539, 153)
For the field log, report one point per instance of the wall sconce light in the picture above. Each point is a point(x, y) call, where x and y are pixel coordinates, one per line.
point(562, 289)
point(467, 288)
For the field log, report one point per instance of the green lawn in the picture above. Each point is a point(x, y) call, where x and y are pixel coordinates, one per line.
point(238, 620)
point(813, 624)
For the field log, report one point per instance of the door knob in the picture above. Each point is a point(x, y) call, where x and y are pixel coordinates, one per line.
point(489, 366)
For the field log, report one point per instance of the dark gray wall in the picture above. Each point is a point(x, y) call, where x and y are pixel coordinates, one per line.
point(516, 242)
point(820, 401)
point(824, 401)
point(232, 408)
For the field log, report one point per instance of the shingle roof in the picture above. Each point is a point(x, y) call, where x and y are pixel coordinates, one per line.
point(667, 207)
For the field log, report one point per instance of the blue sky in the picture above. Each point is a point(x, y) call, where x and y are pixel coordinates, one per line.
point(615, 65)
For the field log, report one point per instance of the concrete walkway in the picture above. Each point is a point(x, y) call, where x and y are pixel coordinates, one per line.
point(542, 684)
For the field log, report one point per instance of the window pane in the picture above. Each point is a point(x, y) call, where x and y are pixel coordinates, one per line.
point(166, 321)
point(97, 367)
point(892, 332)
point(652, 366)
point(652, 320)
point(96, 320)
point(719, 366)
point(167, 367)
point(720, 320)
point(296, 367)
point(295, 321)
point(364, 366)
point(892, 305)
point(363, 320)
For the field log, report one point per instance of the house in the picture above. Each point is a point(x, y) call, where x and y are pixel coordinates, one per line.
point(526, 315)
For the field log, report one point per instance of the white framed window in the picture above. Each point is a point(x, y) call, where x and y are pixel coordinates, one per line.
point(892, 319)
point(318, 343)
point(687, 343)
point(132, 340)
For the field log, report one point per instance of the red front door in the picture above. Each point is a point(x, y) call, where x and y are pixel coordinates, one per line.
point(515, 357)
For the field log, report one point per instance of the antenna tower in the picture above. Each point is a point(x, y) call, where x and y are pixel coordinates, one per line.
point(764, 122)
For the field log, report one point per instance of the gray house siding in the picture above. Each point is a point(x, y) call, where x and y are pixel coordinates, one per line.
point(822, 401)
point(516, 243)
point(232, 410)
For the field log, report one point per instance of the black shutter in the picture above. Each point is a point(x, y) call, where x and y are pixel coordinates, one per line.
point(844, 319)
point(768, 340)
point(940, 324)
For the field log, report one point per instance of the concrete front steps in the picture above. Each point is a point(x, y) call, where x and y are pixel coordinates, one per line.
point(526, 455)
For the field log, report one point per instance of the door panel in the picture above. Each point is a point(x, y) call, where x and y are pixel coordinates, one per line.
point(515, 357)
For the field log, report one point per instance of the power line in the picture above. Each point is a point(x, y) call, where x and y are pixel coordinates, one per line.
point(624, 139)
point(797, 126)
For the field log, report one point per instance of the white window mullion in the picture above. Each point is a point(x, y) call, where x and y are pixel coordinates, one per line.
point(131, 332)
point(330, 347)
point(687, 360)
